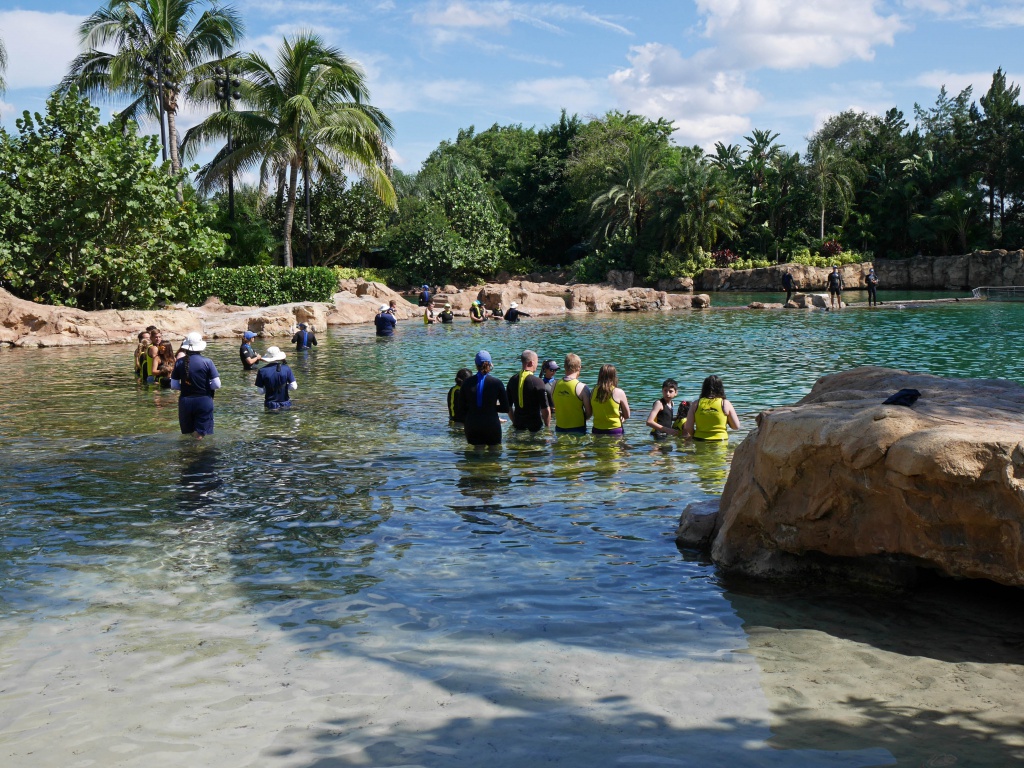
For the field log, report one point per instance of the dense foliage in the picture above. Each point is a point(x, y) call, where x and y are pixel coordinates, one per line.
point(87, 219)
point(260, 286)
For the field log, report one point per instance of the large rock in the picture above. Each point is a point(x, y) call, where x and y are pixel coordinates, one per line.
point(500, 296)
point(676, 284)
point(604, 298)
point(963, 272)
point(938, 485)
point(770, 278)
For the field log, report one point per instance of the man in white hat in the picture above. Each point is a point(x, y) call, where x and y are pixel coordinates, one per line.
point(197, 379)
point(385, 322)
point(275, 380)
point(514, 313)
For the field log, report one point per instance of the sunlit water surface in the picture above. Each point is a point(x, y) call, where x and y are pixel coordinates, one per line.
point(356, 538)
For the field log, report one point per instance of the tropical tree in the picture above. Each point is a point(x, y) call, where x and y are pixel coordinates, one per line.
point(832, 175)
point(701, 205)
point(635, 176)
point(150, 52)
point(3, 66)
point(308, 112)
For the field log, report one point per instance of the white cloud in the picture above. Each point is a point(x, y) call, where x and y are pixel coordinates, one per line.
point(40, 46)
point(574, 94)
point(957, 81)
point(499, 15)
point(1009, 13)
point(793, 34)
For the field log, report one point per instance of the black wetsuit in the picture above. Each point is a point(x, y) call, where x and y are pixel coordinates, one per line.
point(789, 285)
point(872, 281)
point(535, 397)
point(512, 315)
point(303, 340)
point(456, 408)
point(447, 316)
point(835, 283)
point(483, 401)
point(246, 352)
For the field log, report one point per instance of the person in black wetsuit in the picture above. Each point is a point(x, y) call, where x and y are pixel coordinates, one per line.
point(872, 281)
point(303, 339)
point(528, 396)
point(514, 313)
point(483, 398)
point(246, 353)
point(789, 285)
point(456, 408)
point(447, 316)
point(835, 288)
point(425, 300)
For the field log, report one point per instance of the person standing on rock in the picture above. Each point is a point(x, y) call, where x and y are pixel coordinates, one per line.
point(385, 322)
point(528, 396)
point(711, 413)
point(197, 379)
point(872, 281)
point(789, 285)
point(483, 398)
point(276, 381)
point(835, 288)
point(246, 353)
point(303, 339)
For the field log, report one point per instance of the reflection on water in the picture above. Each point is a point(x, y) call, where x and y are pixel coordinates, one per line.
point(351, 579)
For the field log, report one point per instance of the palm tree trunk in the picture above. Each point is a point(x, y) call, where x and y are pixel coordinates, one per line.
point(823, 221)
point(172, 140)
point(289, 217)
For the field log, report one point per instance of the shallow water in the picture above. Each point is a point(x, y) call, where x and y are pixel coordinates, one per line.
point(345, 584)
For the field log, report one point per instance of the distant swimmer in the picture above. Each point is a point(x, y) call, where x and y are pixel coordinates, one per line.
point(528, 397)
point(197, 379)
point(303, 338)
point(246, 353)
point(384, 321)
point(661, 417)
point(483, 397)
point(514, 313)
point(572, 399)
point(276, 380)
point(611, 408)
point(476, 312)
point(456, 408)
point(711, 413)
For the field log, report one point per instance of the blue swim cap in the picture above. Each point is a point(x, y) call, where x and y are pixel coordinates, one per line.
point(248, 335)
point(483, 356)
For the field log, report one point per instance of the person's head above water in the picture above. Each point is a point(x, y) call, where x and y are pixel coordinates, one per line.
point(712, 388)
point(382, 308)
point(194, 342)
point(248, 335)
point(669, 385)
point(483, 361)
point(573, 364)
point(529, 359)
point(550, 366)
point(273, 355)
point(462, 375)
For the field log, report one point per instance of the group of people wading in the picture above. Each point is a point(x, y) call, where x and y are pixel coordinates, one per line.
point(533, 402)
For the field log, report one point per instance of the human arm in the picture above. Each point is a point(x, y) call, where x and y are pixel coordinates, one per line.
point(652, 419)
point(292, 383)
point(623, 403)
point(730, 414)
point(688, 426)
point(584, 396)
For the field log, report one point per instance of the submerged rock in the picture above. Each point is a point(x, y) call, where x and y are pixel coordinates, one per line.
point(843, 483)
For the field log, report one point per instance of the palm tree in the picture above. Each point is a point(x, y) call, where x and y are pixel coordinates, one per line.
point(309, 112)
point(702, 205)
point(831, 172)
point(157, 49)
point(634, 178)
point(3, 67)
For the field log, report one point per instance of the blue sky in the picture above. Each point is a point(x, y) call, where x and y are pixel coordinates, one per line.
point(718, 68)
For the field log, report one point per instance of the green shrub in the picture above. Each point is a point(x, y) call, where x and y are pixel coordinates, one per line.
point(390, 277)
point(260, 286)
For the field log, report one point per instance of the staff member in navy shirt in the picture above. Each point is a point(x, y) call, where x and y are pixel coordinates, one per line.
point(385, 322)
point(275, 380)
point(197, 379)
point(246, 353)
point(303, 339)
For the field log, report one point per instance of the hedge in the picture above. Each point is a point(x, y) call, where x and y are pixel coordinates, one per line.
point(260, 286)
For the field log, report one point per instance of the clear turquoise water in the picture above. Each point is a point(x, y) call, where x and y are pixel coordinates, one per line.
point(358, 524)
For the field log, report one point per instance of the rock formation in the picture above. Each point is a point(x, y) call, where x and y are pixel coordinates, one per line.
point(770, 278)
point(886, 488)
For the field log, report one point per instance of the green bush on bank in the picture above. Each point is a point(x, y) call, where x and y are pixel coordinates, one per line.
point(260, 286)
point(389, 277)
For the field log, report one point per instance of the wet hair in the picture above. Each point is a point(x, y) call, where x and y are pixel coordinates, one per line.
point(670, 383)
point(462, 375)
point(712, 388)
point(607, 381)
point(573, 363)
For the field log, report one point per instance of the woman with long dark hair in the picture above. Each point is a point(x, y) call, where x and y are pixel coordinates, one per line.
point(709, 416)
point(609, 403)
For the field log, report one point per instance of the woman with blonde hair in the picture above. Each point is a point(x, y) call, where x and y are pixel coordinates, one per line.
point(609, 403)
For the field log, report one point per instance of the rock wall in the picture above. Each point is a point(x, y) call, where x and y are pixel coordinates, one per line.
point(939, 484)
point(770, 278)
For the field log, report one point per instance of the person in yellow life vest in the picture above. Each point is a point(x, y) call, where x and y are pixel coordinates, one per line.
point(142, 367)
point(571, 398)
point(711, 413)
point(476, 312)
point(456, 408)
point(527, 396)
point(611, 408)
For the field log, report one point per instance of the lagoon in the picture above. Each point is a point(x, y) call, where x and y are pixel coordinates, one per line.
point(345, 584)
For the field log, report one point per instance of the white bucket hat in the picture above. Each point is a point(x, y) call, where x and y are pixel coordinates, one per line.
point(273, 355)
point(513, 305)
point(194, 342)
point(383, 308)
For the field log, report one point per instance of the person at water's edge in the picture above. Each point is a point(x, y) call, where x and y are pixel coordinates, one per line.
point(835, 288)
point(528, 397)
point(197, 379)
point(303, 339)
point(872, 281)
point(483, 398)
point(425, 296)
point(384, 322)
point(789, 285)
point(275, 380)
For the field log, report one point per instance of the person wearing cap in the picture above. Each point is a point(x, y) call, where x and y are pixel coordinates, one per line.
point(275, 380)
point(835, 288)
point(384, 321)
point(514, 313)
point(246, 353)
point(447, 316)
point(483, 398)
point(528, 396)
point(197, 379)
point(425, 296)
point(872, 281)
point(303, 338)
point(547, 377)
point(476, 312)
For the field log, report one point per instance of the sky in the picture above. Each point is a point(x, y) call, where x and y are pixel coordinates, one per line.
point(717, 68)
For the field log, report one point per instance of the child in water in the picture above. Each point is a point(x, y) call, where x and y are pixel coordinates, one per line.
point(456, 409)
point(660, 419)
